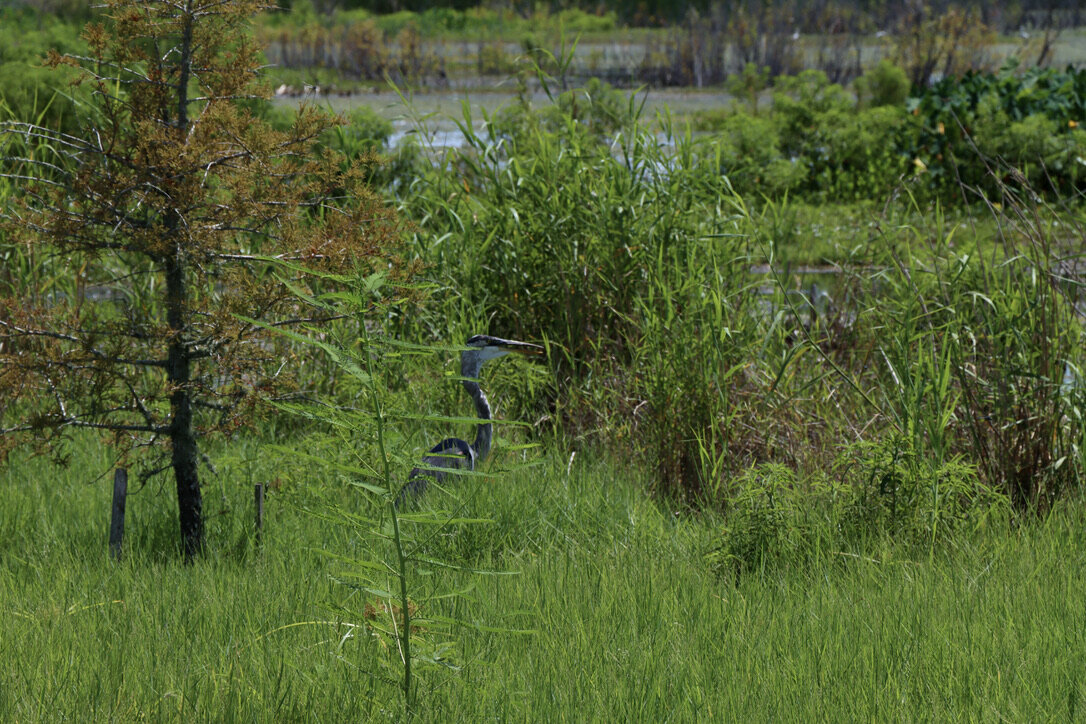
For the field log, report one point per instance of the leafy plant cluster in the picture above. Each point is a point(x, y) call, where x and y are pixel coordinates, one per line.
point(817, 141)
point(874, 491)
point(1031, 119)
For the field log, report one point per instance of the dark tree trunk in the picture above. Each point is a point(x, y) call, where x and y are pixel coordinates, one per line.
point(183, 441)
point(190, 504)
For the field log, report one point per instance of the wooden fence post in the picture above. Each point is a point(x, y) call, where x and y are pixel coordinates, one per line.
point(258, 498)
point(116, 524)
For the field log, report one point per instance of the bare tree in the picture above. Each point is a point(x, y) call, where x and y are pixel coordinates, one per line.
point(165, 210)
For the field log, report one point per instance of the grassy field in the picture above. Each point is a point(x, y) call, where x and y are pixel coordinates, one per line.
point(806, 442)
point(618, 616)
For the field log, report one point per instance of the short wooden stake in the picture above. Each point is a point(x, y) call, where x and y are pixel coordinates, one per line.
point(258, 498)
point(116, 524)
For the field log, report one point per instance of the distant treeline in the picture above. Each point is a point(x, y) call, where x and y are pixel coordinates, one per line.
point(699, 43)
point(808, 16)
point(804, 16)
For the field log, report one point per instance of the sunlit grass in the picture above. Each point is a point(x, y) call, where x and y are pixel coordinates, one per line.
point(612, 613)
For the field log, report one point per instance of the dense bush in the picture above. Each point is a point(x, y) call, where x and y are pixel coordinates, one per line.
point(876, 491)
point(884, 85)
point(819, 142)
point(1028, 119)
point(32, 93)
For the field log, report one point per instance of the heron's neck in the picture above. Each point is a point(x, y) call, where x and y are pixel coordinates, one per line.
point(469, 367)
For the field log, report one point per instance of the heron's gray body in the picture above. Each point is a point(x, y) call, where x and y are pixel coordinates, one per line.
point(453, 454)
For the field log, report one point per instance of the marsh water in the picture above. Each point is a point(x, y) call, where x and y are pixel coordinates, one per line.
point(432, 116)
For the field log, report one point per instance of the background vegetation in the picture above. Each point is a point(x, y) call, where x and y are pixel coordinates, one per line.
point(809, 438)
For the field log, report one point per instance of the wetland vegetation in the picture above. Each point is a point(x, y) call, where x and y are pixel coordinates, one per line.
point(807, 442)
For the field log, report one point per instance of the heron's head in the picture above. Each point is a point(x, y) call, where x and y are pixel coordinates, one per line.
point(482, 348)
point(493, 347)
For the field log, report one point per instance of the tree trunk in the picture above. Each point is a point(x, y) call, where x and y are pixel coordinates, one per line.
point(189, 500)
point(190, 503)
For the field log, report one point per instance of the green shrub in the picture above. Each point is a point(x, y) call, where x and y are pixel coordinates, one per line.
point(575, 21)
point(879, 492)
point(767, 521)
point(28, 37)
point(749, 146)
point(368, 128)
point(799, 100)
point(780, 176)
point(884, 85)
point(709, 119)
point(1028, 119)
point(893, 492)
point(1042, 150)
point(748, 84)
point(856, 155)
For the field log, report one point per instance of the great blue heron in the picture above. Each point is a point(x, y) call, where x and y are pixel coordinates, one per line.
point(453, 453)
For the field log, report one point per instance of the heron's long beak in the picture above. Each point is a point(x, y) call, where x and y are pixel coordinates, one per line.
point(525, 348)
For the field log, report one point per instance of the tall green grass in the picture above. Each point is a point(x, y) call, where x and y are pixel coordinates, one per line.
point(621, 616)
point(629, 251)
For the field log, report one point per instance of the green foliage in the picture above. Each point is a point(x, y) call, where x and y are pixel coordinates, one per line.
point(608, 250)
point(474, 23)
point(632, 258)
point(976, 355)
point(853, 454)
point(884, 85)
point(815, 142)
point(605, 574)
point(799, 100)
point(365, 130)
point(27, 36)
point(596, 110)
point(818, 143)
point(752, 159)
point(1027, 119)
point(890, 491)
point(38, 95)
point(748, 84)
point(391, 570)
point(768, 522)
point(29, 91)
point(876, 493)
